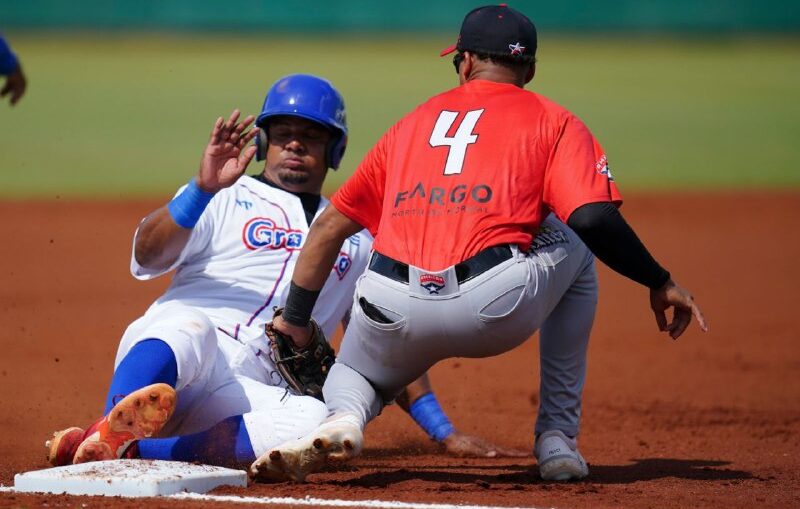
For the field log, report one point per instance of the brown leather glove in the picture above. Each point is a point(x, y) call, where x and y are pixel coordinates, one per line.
point(304, 370)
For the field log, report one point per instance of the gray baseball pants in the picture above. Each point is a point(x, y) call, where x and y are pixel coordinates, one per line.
point(552, 288)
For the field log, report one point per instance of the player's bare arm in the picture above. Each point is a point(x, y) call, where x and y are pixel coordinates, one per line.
point(160, 239)
point(322, 245)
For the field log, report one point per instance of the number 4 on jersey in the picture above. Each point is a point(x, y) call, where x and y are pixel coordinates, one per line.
point(459, 142)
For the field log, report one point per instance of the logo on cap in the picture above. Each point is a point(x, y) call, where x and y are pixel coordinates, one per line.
point(516, 49)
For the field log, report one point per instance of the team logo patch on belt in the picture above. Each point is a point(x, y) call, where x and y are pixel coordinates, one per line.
point(432, 283)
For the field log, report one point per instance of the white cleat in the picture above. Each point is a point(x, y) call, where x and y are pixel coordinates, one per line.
point(332, 442)
point(558, 457)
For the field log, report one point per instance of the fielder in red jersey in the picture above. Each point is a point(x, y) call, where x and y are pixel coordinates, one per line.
point(468, 197)
point(477, 166)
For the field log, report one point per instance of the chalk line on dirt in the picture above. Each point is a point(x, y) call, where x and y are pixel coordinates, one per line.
point(310, 501)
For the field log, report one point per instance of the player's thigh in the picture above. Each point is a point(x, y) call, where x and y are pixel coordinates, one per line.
point(189, 333)
point(376, 343)
point(561, 266)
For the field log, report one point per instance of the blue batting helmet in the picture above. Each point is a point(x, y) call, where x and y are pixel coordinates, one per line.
point(309, 97)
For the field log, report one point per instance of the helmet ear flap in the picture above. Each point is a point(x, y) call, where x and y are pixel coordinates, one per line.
point(336, 151)
point(262, 143)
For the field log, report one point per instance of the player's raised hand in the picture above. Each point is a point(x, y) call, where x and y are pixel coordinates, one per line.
point(15, 85)
point(227, 155)
point(459, 444)
point(673, 295)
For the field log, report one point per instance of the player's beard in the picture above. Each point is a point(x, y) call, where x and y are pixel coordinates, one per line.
point(293, 177)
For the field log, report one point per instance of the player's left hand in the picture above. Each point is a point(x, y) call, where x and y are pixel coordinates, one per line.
point(459, 444)
point(672, 295)
point(300, 335)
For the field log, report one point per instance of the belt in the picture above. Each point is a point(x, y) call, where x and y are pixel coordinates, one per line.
point(466, 270)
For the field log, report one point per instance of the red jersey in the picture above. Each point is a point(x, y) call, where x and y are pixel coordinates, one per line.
point(478, 166)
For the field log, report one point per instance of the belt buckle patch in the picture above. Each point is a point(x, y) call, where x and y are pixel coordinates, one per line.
point(431, 282)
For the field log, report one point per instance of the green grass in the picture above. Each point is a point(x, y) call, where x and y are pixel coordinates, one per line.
point(117, 116)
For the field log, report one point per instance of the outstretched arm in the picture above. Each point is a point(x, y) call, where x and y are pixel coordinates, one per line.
point(164, 233)
point(318, 255)
point(420, 403)
point(613, 241)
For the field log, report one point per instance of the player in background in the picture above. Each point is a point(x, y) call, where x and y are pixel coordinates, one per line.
point(455, 193)
point(196, 369)
point(11, 68)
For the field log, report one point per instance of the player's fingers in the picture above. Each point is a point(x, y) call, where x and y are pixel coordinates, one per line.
point(679, 322)
point(247, 137)
point(701, 320)
point(505, 452)
point(246, 157)
point(661, 319)
point(231, 122)
point(241, 126)
point(6, 89)
point(215, 132)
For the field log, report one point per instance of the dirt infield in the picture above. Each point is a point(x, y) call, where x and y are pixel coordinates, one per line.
point(712, 420)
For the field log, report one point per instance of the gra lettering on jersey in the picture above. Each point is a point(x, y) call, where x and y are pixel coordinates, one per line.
point(432, 283)
point(481, 193)
point(263, 233)
point(343, 264)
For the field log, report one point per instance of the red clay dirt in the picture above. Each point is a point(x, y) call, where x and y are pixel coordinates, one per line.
point(710, 420)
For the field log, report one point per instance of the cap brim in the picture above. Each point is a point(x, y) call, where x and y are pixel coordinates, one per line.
point(448, 50)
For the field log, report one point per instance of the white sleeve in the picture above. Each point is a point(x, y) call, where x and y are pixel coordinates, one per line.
point(198, 240)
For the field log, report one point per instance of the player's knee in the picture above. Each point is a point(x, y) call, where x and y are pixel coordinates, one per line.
point(194, 327)
point(299, 416)
point(309, 413)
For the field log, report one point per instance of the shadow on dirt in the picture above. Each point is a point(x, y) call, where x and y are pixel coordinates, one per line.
point(647, 469)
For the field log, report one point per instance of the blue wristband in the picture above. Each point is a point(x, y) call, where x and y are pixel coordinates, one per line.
point(430, 417)
point(8, 60)
point(187, 207)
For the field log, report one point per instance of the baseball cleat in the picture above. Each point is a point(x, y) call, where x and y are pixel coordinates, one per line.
point(332, 442)
point(558, 457)
point(61, 448)
point(141, 414)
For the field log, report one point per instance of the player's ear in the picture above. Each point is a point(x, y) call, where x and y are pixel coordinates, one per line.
point(466, 67)
point(531, 72)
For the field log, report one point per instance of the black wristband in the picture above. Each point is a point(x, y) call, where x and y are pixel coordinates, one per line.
point(299, 305)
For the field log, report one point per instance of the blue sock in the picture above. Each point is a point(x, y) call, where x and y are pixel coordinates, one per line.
point(148, 362)
point(224, 444)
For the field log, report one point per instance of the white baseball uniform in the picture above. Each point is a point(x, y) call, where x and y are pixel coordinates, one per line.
point(235, 269)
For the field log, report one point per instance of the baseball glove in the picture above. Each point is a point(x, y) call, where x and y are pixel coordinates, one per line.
point(304, 370)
